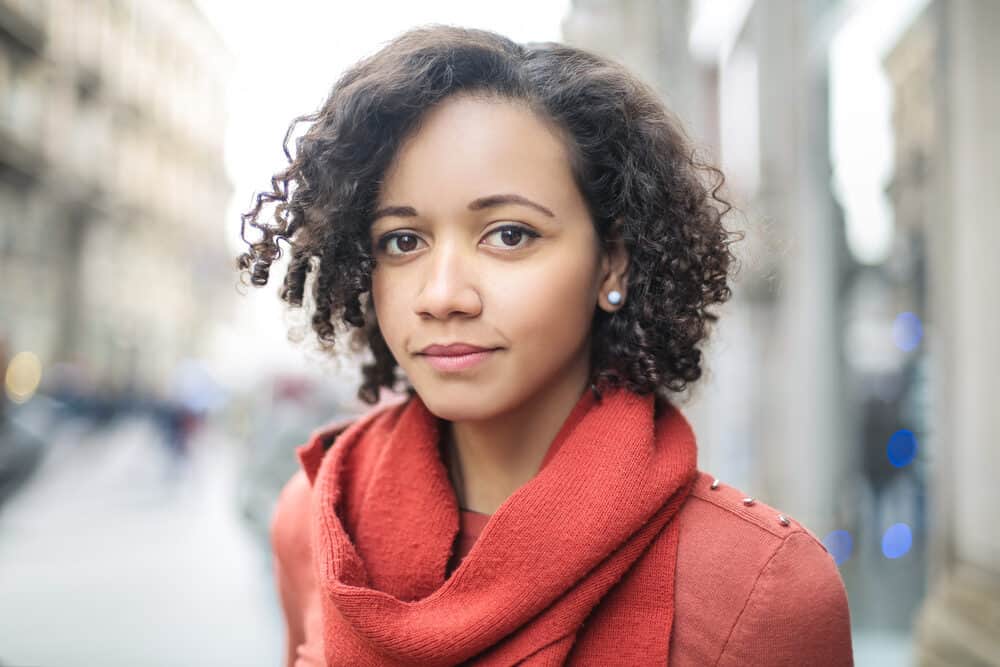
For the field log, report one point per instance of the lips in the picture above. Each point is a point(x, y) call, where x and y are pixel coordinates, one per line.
point(458, 362)
point(456, 357)
point(454, 350)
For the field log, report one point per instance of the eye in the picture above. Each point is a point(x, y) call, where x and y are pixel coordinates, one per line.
point(405, 242)
point(511, 236)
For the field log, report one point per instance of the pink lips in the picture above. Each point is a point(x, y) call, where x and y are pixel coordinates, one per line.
point(456, 357)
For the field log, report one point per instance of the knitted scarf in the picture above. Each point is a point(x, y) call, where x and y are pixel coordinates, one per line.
point(575, 567)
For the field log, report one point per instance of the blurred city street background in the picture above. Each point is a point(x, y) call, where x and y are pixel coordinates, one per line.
point(120, 552)
point(151, 403)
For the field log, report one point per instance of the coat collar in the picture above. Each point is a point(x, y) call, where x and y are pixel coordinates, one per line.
point(311, 453)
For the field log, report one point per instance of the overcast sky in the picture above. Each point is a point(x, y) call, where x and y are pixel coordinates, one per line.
point(861, 121)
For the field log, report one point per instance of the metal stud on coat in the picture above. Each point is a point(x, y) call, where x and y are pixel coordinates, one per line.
point(783, 520)
point(715, 484)
point(749, 501)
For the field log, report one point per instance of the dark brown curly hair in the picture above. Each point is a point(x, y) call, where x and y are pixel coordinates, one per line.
point(631, 160)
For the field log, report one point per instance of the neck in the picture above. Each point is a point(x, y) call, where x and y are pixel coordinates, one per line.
point(489, 460)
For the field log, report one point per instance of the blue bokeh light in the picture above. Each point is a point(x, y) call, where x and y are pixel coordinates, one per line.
point(840, 545)
point(897, 540)
point(907, 331)
point(902, 447)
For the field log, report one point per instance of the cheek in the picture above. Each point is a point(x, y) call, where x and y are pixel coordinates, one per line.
point(388, 303)
point(553, 305)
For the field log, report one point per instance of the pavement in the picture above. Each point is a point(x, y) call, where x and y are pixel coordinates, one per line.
point(116, 553)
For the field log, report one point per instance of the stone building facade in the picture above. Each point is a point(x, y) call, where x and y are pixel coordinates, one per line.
point(112, 185)
point(944, 192)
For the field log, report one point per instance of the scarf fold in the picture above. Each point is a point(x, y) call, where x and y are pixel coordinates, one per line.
point(575, 567)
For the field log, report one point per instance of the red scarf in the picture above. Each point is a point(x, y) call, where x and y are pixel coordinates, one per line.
point(575, 567)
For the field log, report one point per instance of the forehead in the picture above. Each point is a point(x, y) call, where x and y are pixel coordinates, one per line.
point(469, 146)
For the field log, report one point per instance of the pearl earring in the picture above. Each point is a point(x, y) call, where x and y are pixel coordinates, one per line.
point(614, 297)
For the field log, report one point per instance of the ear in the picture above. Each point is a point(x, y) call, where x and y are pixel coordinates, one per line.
point(614, 267)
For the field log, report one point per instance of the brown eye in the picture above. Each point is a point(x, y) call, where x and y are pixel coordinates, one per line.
point(405, 243)
point(512, 235)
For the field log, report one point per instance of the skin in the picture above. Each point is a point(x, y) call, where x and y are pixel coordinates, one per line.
point(450, 274)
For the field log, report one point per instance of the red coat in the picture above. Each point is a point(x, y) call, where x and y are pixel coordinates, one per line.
point(749, 590)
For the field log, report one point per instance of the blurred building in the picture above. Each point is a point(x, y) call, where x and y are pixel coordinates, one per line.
point(944, 190)
point(112, 187)
point(821, 359)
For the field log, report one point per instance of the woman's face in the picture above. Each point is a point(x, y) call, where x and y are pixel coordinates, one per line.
point(481, 237)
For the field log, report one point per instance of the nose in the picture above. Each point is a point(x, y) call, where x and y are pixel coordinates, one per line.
point(448, 284)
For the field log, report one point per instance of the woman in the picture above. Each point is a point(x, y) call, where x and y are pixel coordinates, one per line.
point(520, 238)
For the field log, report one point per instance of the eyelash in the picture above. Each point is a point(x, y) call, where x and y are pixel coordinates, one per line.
point(384, 240)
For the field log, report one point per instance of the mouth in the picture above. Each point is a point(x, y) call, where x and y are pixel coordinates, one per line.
point(458, 362)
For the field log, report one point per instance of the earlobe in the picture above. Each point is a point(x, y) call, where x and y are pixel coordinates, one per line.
point(615, 265)
point(612, 299)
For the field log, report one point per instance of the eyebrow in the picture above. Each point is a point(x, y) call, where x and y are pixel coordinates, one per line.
point(475, 205)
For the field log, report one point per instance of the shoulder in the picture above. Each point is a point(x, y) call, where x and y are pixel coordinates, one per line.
point(736, 513)
point(753, 585)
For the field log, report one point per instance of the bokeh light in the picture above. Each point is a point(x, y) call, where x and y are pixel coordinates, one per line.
point(897, 540)
point(24, 373)
point(907, 331)
point(840, 545)
point(902, 447)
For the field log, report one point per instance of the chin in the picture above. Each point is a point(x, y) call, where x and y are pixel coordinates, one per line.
point(460, 402)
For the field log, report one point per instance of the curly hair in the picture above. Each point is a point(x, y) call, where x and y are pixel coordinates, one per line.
point(630, 159)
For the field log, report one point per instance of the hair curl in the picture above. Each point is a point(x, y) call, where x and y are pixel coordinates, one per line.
point(631, 160)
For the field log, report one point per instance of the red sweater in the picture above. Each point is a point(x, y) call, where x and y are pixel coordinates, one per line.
point(748, 589)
